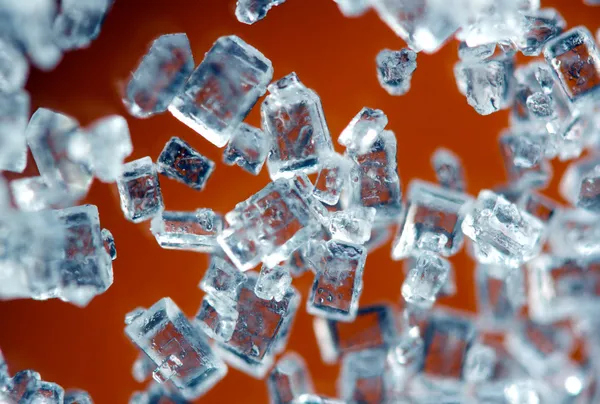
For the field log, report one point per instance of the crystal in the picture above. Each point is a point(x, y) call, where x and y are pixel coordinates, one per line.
point(292, 116)
point(499, 298)
point(222, 280)
point(261, 331)
point(14, 111)
point(570, 183)
point(521, 392)
point(222, 90)
point(273, 283)
point(181, 162)
point(333, 176)
point(163, 331)
point(352, 225)
point(538, 205)
point(46, 393)
point(589, 193)
point(193, 231)
point(217, 317)
point(338, 282)
point(574, 59)
point(480, 52)
point(425, 279)
point(395, 70)
point(21, 386)
point(574, 232)
point(540, 26)
point(404, 358)
point(524, 160)
point(289, 379)
point(449, 286)
point(160, 75)
point(139, 190)
point(374, 327)
point(109, 243)
point(433, 219)
point(248, 148)
point(48, 136)
point(142, 367)
point(380, 235)
point(158, 394)
point(362, 377)
point(251, 11)
point(502, 234)
point(77, 397)
point(479, 363)
point(353, 8)
point(4, 375)
point(540, 105)
point(363, 130)
point(448, 169)
point(32, 194)
point(79, 22)
point(315, 399)
point(14, 68)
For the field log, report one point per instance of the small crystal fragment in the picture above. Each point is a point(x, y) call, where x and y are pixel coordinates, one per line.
point(425, 279)
point(540, 26)
point(222, 90)
point(589, 192)
point(222, 280)
point(333, 175)
point(109, 244)
point(79, 22)
point(289, 379)
point(395, 70)
point(193, 231)
point(248, 148)
point(292, 116)
point(77, 397)
point(352, 225)
point(363, 130)
point(139, 190)
point(180, 161)
point(14, 68)
point(363, 377)
point(479, 363)
point(273, 283)
point(525, 160)
point(448, 288)
point(315, 399)
point(448, 169)
point(251, 11)
point(480, 52)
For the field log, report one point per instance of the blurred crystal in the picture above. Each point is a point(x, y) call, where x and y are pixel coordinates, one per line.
point(395, 70)
point(353, 8)
point(292, 116)
point(222, 90)
point(352, 225)
point(363, 130)
point(109, 244)
point(181, 162)
point(46, 392)
point(501, 233)
point(193, 231)
point(157, 394)
point(525, 160)
point(248, 148)
point(217, 317)
point(538, 205)
point(479, 363)
point(404, 358)
point(163, 332)
point(160, 75)
point(570, 183)
point(14, 111)
point(449, 286)
point(540, 104)
point(521, 392)
point(540, 26)
point(338, 282)
point(480, 52)
point(573, 233)
point(14, 68)
point(333, 175)
point(589, 192)
point(251, 11)
point(77, 397)
point(500, 296)
point(222, 280)
point(79, 21)
point(289, 379)
point(273, 283)
point(142, 367)
point(20, 387)
point(139, 190)
point(425, 279)
point(448, 169)
point(363, 377)
point(315, 399)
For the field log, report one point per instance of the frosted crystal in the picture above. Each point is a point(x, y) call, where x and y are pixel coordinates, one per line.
point(404, 358)
point(14, 111)
point(315, 399)
point(103, 147)
point(540, 105)
point(181, 162)
point(142, 366)
point(479, 363)
point(14, 68)
point(217, 317)
point(352, 225)
point(194, 231)
point(338, 282)
point(79, 21)
point(251, 11)
point(522, 392)
point(139, 190)
point(222, 90)
point(160, 75)
point(363, 377)
point(395, 70)
point(109, 244)
point(433, 219)
point(538, 205)
point(248, 148)
point(574, 59)
point(292, 116)
point(273, 283)
point(589, 192)
point(48, 136)
point(570, 183)
point(46, 393)
point(33, 194)
point(502, 234)
point(77, 397)
point(353, 8)
point(500, 296)
point(540, 26)
point(525, 160)
point(480, 52)
point(425, 279)
point(222, 280)
point(289, 379)
point(333, 175)
point(573, 233)
point(163, 331)
point(363, 130)
point(448, 169)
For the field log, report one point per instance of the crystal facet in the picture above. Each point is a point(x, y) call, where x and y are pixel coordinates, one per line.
point(180, 161)
point(395, 70)
point(139, 190)
point(194, 231)
point(363, 129)
point(248, 148)
point(289, 379)
point(251, 11)
point(425, 279)
point(79, 22)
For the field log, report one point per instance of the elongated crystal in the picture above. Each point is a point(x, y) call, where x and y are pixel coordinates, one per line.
point(79, 22)
point(139, 190)
point(194, 231)
point(14, 111)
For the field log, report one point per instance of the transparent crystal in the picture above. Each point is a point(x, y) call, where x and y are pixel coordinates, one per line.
point(222, 280)
point(222, 90)
point(433, 219)
point(525, 160)
point(163, 331)
point(448, 288)
point(251, 11)
point(157, 393)
point(20, 387)
point(589, 192)
point(404, 358)
point(363, 377)
point(79, 21)
point(479, 363)
point(500, 294)
point(479, 52)
point(570, 183)
point(142, 367)
point(181, 162)
point(352, 225)
point(77, 397)
point(315, 399)
point(540, 105)
point(139, 190)
point(289, 379)
point(160, 75)
point(14, 68)
point(333, 176)
point(109, 244)
point(46, 393)
point(501, 233)
point(353, 8)
point(217, 317)
point(540, 26)
point(167, 369)
point(425, 279)
point(395, 70)
point(448, 169)
point(273, 283)
point(193, 231)
point(248, 148)
point(292, 116)
point(14, 112)
point(338, 282)
point(538, 205)
point(521, 392)
point(363, 130)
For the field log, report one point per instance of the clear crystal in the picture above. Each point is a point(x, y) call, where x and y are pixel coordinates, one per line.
point(500, 294)
point(525, 160)
point(222, 280)
point(46, 393)
point(273, 283)
point(181, 162)
point(479, 363)
point(540, 26)
point(248, 148)
point(217, 317)
point(160, 75)
point(14, 111)
point(573, 233)
point(448, 288)
point(352, 225)
point(363, 130)
point(395, 70)
point(292, 116)
point(167, 369)
point(109, 244)
point(570, 183)
point(79, 21)
point(14, 68)
point(589, 192)
point(538, 205)
point(139, 190)
point(20, 387)
point(479, 52)
point(404, 358)
point(353, 8)
point(289, 379)
point(363, 377)
point(251, 11)
point(425, 279)
point(193, 231)
point(222, 90)
point(77, 397)
point(448, 169)
point(333, 175)
point(142, 367)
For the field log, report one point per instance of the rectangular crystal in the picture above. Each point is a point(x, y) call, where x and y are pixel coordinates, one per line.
point(499, 301)
point(425, 279)
point(183, 163)
point(363, 377)
point(194, 231)
point(222, 280)
point(289, 379)
point(248, 148)
point(139, 190)
point(14, 113)
point(333, 175)
point(273, 283)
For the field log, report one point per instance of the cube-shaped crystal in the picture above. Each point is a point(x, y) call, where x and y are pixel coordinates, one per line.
point(251, 11)
point(165, 334)
point(362, 377)
point(352, 225)
point(448, 169)
point(217, 317)
point(194, 231)
point(395, 70)
point(425, 279)
point(538, 205)
point(292, 116)
point(273, 283)
point(363, 129)
point(248, 148)
point(573, 233)
point(160, 75)
point(540, 26)
point(338, 282)
point(79, 22)
point(222, 90)
point(14, 112)
point(289, 379)
point(181, 162)
point(139, 190)
point(525, 160)
point(222, 280)
point(570, 183)
point(432, 222)
point(499, 301)
point(501, 233)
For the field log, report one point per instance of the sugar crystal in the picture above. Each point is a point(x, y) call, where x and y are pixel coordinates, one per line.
point(139, 190)
point(181, 162)
point(395, 70)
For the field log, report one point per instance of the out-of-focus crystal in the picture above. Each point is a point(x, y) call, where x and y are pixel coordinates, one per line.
point(538, 205)
point(352, 225)
point(109, 243)
point(448, 288)
point(14, 111)
point(479, 363)
point(448, 169)
point(248, 148)
point(395, 70)
point(77, 397)
point(525, 160)
point(499, 299)
point(570, 183)
point(589, 192)
point(353, 8)
point(14, 68)
point(157, 393)
point(273, 283)
point(251, 11)
point(363, 130)
point(480, 52)
point(194, 231)
point(362, 377)
point(539, 27)
point(334, 172)
point(289, 379)
point(573, 233)
point(315, 399)
point(425, 280)
point(79, 21)
point(139, 190)
point(181, 162)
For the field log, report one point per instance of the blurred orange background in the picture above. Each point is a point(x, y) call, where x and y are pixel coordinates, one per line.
point(335, 56)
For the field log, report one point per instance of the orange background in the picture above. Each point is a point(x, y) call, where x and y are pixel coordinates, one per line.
point(333, 55)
